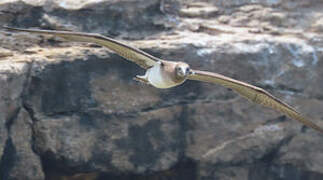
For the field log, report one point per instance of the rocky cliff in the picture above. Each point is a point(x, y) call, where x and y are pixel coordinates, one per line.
point(72, 111)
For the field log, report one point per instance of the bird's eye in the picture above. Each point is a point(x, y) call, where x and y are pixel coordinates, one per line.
point(187, 69)
point(162, 64)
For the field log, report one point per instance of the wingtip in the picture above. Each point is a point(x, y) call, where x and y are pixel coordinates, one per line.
point(307, 123)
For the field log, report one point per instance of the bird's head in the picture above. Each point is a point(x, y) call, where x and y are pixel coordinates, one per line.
point(182, 69)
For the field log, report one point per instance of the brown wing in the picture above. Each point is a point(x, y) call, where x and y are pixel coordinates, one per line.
point(254, 94)
point(133, 54)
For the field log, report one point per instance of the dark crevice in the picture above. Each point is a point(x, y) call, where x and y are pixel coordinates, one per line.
point(182, 102)
point(9, 155)
point(318, 97)
point(166, 104)
point(11, 119)
point(54, 167)
point(30, 111)
point(184, 169)
point(25, 93)
point(28, 108)
point(129, 114)
point(185, 127)
point(260, 167)
point(270, 156)
point(8, 159)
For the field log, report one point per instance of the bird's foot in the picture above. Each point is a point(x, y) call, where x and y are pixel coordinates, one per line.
point(141, 79)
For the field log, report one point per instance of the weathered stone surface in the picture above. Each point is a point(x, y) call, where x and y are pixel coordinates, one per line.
point(20, 161)
point(72, 110)
point(12, 78)
point(112, 17)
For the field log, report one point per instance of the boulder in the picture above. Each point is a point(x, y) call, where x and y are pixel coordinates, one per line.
point(71, 110)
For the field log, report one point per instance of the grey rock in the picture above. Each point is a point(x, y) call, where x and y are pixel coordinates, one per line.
point(20, 156)
point(72, 110)
point(16, 130)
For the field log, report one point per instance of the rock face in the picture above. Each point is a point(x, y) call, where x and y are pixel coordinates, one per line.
point(72, 111)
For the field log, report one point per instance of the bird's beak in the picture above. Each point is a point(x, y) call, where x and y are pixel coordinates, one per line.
point(183, 71)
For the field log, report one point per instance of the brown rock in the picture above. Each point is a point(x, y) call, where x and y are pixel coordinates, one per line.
point(72, 111)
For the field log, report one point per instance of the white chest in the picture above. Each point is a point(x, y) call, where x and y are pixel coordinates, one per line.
point(159, 79)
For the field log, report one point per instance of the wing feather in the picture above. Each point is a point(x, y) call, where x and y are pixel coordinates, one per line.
point(253, 94)
point(133, 54)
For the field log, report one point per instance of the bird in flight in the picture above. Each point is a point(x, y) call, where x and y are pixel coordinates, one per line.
point(163, 74)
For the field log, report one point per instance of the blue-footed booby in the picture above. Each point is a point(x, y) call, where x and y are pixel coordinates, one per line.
point(166, 74)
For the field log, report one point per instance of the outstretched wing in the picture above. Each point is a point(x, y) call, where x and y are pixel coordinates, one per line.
point(133, 54)
point(254, 94)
